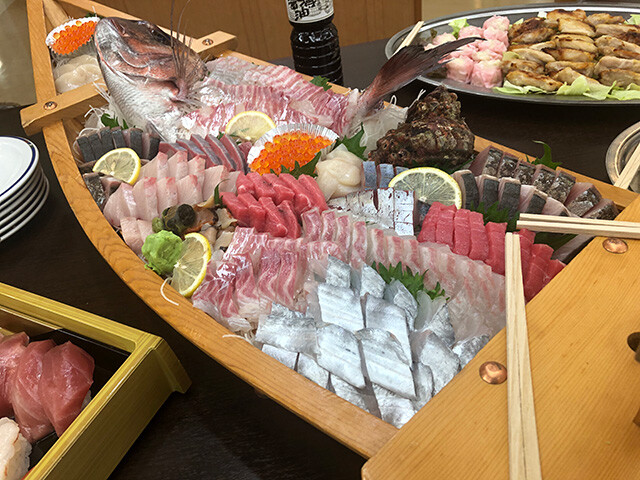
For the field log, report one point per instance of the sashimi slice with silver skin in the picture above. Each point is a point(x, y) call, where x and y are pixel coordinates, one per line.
point(440, 324)
point(383, 315)
point(423, 380)
point(287, 332)
point(427, 308)
point(361, 398)
point(368, 281)
point(385, 207)
point(285, 357)
point(385, 361)
point(404, 204)
point(309, 368)
point(339, 353)
point(340, 306)
point(394, 409)
point(469, 348)
point(338, 273)
point(398, 294)
point(432, 352)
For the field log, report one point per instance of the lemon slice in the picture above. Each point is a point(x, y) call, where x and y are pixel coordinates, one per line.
point(430, 184)
point(191, 267)
point(121, 163)
point(249, 125)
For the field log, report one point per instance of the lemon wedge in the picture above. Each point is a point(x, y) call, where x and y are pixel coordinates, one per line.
point(430, 184)
point(121, 163)
point(191, 267)
point(249, 125)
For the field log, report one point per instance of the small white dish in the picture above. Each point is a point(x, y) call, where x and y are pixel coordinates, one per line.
point(21, 195)
point(18, 162)
point(6, 232)
point(28, 204)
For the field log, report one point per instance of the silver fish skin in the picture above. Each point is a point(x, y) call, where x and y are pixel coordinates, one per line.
point(309, 368)
point(340, 306)
point(151, 78)
point(368, 282)
point(403, 212)
point(386, 364)
point(338, 273)
point(288, 332)
point(440, 324)
point(398, 294)
point(338, 352)
point(469, 348)
point(395, 410)
point(432, 352)
point(385, 207)
point(383, 315)
point(423, 380)
point(427, 308)
point(285, 357)
point(359, 397)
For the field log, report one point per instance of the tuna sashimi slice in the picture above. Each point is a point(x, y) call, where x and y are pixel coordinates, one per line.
point(282, 191)
point(303, 200)
point(275, 223)
point(478, 234)
point(257, 212)
point(555, 267)
point(245, 185)
point(540, 258)
point(428, 230)
point(11, 349)
point(238, 209)
point(444, 228)
point(25, 395)
point(261, 187)
point(290, 218)
point(312, 224)
point(495, 234)
point(188, 191)
point(461, 233)
point(67, 375)
point(526, 244)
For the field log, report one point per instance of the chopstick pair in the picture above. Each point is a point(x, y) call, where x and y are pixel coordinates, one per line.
point(630, 169)
point(580, 226)
point(524, 453)
point(409, 38)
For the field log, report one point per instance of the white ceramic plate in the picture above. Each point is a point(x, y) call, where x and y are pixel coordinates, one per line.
point(22, 220)
point(18, 199)
point(29, 203)
point(18, 162)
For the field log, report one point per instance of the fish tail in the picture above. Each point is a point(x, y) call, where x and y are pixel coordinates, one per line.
point(405, 66)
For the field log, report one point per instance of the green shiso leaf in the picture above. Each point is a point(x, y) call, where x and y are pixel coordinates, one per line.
point(496, 215)
point(457, 25)
point(353, 143)
point(554, 240)
point(413, 281)
point(306, 169)
point(108, 121)
point(545, 159)
point(321, 82)
point(217, 199)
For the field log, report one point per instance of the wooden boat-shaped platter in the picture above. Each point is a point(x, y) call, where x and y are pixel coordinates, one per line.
point(586, 382)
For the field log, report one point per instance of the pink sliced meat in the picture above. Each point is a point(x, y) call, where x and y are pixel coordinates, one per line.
point(67, 376)
point(275, 223)
point(220, 290)
point(246, 289)
point(395, 249)
point(343, 233)
point(288, 281)
point(495, 234)
point(245, 185)
point(11, 349)
point(444, 227)
point(196, 167)
point(145, 193)
point(25, 395)
point(538, 265)
point(257, 213)
point(213, 176)
point(188, 191)
point(177, 165)
point(239, 210)
point(320, 250)
point(328, 225)
point(228, 184)
point(290, 218)
point(167, 193)
point(429, 224)
point(221, 152)
point(210, 157)
point(234, 153)
point(358, 244)
point(302, 200)
point(121, 204)
point(282, 191)
point(261, 187)
point(478, 234)
point(555, 267)
point(311, 186)
point(131, 234)
point(461, 233)
point(312, 224)
point(528, 234)
point(377, 246)
point(269, 274)
point(411, 255)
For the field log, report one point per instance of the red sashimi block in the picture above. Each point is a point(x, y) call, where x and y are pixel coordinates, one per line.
point(524, 233)
point(525, 254)
point(311, 186)
point(261, 187)
point(302, 200)
point(495, 234)
point(275, 223)
point(257, 213)
point(461, 233)
point(238, 209)
point(540, 258)
point(429, 224)
point(282, 191)
point(444, 228)
point(11, 349)
point(244, 185)
point(479, 241)
point(290, 218)
point(555, 267)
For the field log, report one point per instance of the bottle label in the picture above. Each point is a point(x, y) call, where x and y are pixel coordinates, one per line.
point(308, 11)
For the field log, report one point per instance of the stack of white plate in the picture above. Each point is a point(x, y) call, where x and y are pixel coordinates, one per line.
point(23, 185)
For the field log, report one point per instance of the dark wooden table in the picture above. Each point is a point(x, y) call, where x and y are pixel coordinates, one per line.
point(221, 429)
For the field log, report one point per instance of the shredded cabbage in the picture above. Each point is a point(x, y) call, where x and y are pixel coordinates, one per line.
point(457, 25)
point(579, 87)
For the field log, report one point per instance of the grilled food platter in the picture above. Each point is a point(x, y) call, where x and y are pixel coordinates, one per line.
point(354, 427)
point(514, 14)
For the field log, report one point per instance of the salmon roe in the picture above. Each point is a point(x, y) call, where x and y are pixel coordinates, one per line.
point(287, 149)
point(72, 37)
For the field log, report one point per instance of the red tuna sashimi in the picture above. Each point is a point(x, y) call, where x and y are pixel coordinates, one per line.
point(269, 273)
point(555, 267)
point(303, 200)
point(358, 244)
point(328, 225)
point(196, 167)
point(213, 176)
point(538, 265)
point(275, 223)
point(282, 191)
point(145, 192)
point(245, 185)
point(25, 396)
point(67, 375)
point(167, 193)
point(461, 233)
point(257, 212)
point(238, 209)
point(261, 187)
point(444, 228)
point(290, 218)
point(177, 165)
point(11, 349)
point(526, 244)
point(479, 241)
point(312, 224)
point(188, 191)
point(311, 186)
point(495, 234)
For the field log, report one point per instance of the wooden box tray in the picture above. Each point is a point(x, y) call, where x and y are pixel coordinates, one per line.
point(355, 428)
point(135, 373)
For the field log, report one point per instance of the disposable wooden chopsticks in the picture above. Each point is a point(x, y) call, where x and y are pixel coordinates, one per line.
point(580, 226)
point(630, 169)
point(409, 38)
point(524, 454)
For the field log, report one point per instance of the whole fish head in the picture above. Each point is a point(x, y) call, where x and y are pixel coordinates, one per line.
point(147, 71)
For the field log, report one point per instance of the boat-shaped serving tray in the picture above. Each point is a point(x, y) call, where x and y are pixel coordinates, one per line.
point(135, 373)
point(57, 116)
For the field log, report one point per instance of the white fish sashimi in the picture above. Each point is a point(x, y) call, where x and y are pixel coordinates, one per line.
point(432, 352)
point(339, 353)
point(467, 349)
point(368, 282)
point(340, 306)
point(359, 397)
point(309, 368)
point(394, 409)
point(338, 273)
point(290, 333)
point(15, 451)
point(423, 380)
point(383, 315)
point(283, 356)
point(398, 294)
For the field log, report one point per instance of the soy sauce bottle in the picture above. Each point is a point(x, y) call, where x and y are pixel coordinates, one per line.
point(314, 39)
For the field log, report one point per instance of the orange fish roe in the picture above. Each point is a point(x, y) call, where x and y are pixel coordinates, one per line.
point(287, 149)
point(72, 36)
